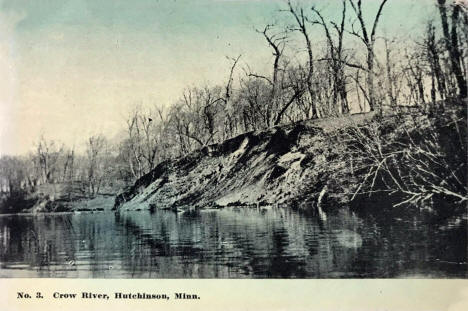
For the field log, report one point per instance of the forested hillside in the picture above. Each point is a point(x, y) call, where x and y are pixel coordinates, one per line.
point(260, 137)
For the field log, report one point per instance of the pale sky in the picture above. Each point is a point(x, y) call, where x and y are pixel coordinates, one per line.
point(72, 68)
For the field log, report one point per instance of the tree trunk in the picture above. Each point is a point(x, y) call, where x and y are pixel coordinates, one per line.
point(370, 78)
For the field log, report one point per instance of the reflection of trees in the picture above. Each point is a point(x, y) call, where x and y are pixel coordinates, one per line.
point(151, 243)
point(414, 246)
point(37, 241)
point(228, 243)
point(221, 243)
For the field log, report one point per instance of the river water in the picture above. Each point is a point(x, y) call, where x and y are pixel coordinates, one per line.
point(230, 243)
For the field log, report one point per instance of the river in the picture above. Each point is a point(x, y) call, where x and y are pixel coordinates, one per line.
point(230, 243)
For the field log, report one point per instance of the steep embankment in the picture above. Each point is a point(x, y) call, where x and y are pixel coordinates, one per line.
point(415, 158)
point(283, 165)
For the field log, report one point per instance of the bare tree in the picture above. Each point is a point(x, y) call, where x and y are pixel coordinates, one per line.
point(12, 175)
point(230, 126)
point(48, 153)
point(450, 33)
point(277, 42)
point(368, 37)
point(293, 87)
point(301, 21)
point(415, 74)
point(254, 104)
point(135, 137)
point(336, 57)
point(96, 163)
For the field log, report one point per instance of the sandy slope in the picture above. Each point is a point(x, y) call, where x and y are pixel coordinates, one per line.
point(283, 165)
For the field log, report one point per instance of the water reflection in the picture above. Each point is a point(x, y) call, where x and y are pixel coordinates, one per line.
point(228, 243)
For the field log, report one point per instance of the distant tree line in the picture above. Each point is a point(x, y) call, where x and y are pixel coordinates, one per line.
point(348, 67)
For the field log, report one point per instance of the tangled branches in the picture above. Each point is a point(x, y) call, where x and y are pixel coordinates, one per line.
point(418, 158)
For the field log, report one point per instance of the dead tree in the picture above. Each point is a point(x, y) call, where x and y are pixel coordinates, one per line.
point(277, 43)
point(96, 149)
point(450, 33)
point(135, 156)
point(301, 21)
point(432, 52)
point(336, 57)
point(367, 36)
point(229, 126)
point(48, 154)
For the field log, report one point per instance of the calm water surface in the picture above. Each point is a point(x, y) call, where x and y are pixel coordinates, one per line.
point(229, 243)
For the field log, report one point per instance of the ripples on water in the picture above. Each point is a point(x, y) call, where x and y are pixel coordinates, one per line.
point(228, 243)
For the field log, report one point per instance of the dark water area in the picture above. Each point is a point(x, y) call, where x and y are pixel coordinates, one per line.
point(230, 243)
